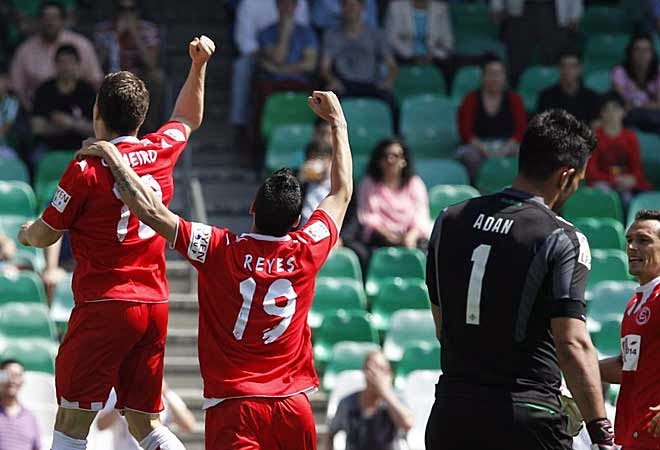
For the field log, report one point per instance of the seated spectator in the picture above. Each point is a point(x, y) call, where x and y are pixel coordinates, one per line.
point(7, 253)
point(326, 14)
point(353, 56)
point(637, 80)
point(18, 426)
point(374, 418)
point(616, 162)
point(130, 43)
point(393, 203)
point(315, 176)
point(491, 120)
point(419, 32)
point(63, 106)
point(33, 61)
point(8, 112)
point(570, 93)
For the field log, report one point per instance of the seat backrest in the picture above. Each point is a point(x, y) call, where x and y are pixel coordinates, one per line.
point(442, 196)
point(346, 356)
point(285, 108)
point(608, 339)
point(407, 326)
point(602, 233)
point(467, 79)
point(51, 166)
point(426, 111)
point(26, 287)
point(608, 299)
point(644, 200)
point(496, 173)
point(415, 80)
point(13, 169)
point(346, 326)
point(608, 265)
point(593, 202)
point(34, 354)
point(17, 197)
point(390, 262)
point(342, 262)
point(26, 320)
point(435, 171)
point(417, 356)
point(396, 294)
point(599, 80)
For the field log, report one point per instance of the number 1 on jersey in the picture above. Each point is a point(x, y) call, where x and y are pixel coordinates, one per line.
point(479, 259)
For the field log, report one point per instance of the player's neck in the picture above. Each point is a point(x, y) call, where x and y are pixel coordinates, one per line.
point(111, 135)
point(524, 185)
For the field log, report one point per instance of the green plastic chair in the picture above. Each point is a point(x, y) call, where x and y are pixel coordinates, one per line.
point(51, 167)
point(435, 171)
point(287, 146)
point(496, 174)
point(645, 200)
point(602, 19)
point(63, 302)
point(393, 262)
point(415, 80)
point(396, 294)
point(445, 195)
point(602, 233)
point(608, 339)
point(45, 194)
point(342, 263)
point(608, 299)
point(427, 111)
point(13, 170)
point(342, 326)
point(408, 326)
point(470, 18)
point(477, 44)
point(17, 198)
point(346, 356)
point(604, 51)
point(608, 265)
point(284, 108)
point(370, 121)
point(360, 163)
point(334, 294)
point(599, 80)
point(26, 320)
point(649, 144)
point(592, 202)
point(26, 287)
point(535, 79)
point(433, 143)
point(417, 356)
point(36, 355)
point(466, 80)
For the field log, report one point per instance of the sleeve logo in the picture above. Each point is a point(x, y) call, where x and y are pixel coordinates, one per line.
point(631, 346)
point(584, 256)
point(200, 238)
point(175, 134)
point(317, 231)
point(60, 199)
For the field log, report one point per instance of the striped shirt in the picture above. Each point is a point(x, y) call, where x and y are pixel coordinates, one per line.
point(19, 432)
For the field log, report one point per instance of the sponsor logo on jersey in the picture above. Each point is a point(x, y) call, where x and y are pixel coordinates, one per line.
point(175, 134)
point(584, 257)
point(200, 237)
point(643, 316)
point(317, 231)
point(60, 199)
point(631, 346)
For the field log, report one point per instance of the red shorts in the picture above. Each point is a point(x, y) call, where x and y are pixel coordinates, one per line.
point(113, 343)
point(261, 423)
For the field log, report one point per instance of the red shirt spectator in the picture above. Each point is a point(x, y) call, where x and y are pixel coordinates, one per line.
point(508, 122)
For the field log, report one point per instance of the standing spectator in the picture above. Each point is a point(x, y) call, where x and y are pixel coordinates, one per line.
point(8, 112)
point(353, 56)
point(63, 106)
point(18, 427)
point(616, 163)
point(33, 62)
point(132, 44)
point(373, 418)
point(570, 93)
point(546, 25)
point(393, 203)
point(491, 120)
point(326, 14)
point(637, 80)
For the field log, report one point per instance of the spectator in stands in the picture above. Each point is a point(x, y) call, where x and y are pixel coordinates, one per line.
point(374, 418)
point(637, 80)
point(491, 120)
point(33, 62)
point(570, 93)
point(353, 56)
point(322, 132)
point(326, 14)
point(130, 43)
point(8, 112)
point(393, 203)
point(18, 426)
point(419, 32)
point(7, 253)
point(544, 25)
point(63, 106)
point(616, 162)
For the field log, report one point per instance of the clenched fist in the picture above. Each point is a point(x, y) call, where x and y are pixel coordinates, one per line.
point(326, 105)
point(200, 49)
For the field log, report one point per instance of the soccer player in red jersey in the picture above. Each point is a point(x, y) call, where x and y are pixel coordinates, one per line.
point(116, 334)
point(255, 291)
point(637, 425)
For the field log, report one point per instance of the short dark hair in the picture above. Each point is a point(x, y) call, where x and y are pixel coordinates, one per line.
point(317, 149)
point(374, 170)
point(490, 58)
point(278, 203)
point(554, 139)
point(52, 4)
point(612, 97)
point(67, 49)
point(570, 53)
point(648, 214)
point(123, 101)
point(652, 71)
point(7, 362)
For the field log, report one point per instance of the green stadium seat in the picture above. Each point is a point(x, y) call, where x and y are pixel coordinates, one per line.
point(592, 202)
point(342, 326)
point(26, 287)
point(37, 355)
point(466, 80)
point(496, 174)
point(608, 265)
point(650, 151)
point(470, 18)
point(393, 262)
point(341, 263)
point(285, 108)
point(13, 170)
point(607, 339)
point(346, 356)
point(396, 294)
point(428, 123)
point(415, 80)
point(608, 299)
point(600, 81)
point(434, 171)
point(417, 356)
point(478, 44)
point(334, 294)
point(360, 163)
point(408, 326)
point(433, 143)
point(17, 198)
point(63, 303)
point(45, 194)
point(26, 320)
point(370, 122)
point(602, 233)
point(604, 51)
point(287, 146)
point(602, 19)
point(51, 167)
point(442, 196)
point(645, 200)
point(535, 79)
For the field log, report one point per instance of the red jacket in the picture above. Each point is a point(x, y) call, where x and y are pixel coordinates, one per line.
point(469, 109)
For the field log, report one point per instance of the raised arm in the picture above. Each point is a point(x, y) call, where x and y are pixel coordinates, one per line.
point(189, 107)
point(326, 105)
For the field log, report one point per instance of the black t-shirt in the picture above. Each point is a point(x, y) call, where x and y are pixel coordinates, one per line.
point(585, 105)
point(79, 103)
point(498, 126)
point(501, 267)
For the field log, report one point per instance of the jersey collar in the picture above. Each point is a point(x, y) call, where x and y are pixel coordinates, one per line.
point(648, 288)
point(265, 237)
point(120, 139)
point(524, 196)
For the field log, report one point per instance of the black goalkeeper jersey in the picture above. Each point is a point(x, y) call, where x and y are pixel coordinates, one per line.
point(501, 267)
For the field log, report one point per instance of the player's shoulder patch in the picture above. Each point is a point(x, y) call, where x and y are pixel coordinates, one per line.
point(317, 231)
point(60, 199)
point(175, 134)
point(584, 255)
point(200, 240)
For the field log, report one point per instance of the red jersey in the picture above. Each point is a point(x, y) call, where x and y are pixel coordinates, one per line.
point(640, 377)
point(254, 295)
point(117, 256)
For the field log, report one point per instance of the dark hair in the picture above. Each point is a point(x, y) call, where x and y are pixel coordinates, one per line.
point(52, 4)
point(490, 58)
point(570, 53)
point(612, 97)
point(648, 214)
point(6, 362)
point(374, 170)
point(278, 203)
point(123, 101)
point(67, 49)
point(317, 149)
point(554, 139)
point(652, 70)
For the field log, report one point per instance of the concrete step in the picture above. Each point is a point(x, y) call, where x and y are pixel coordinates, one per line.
point(181, 342)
